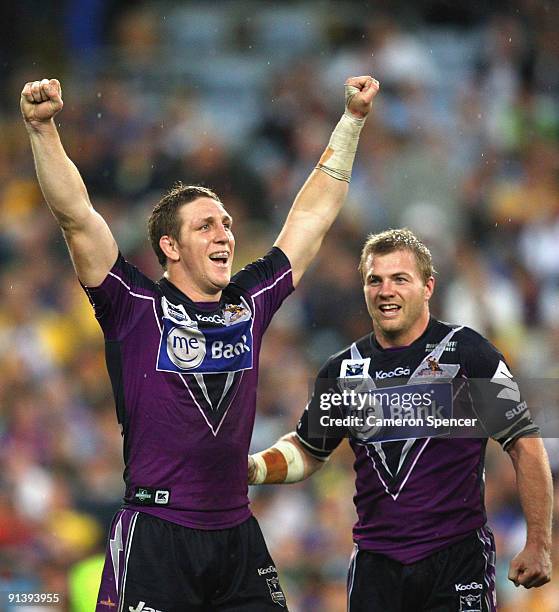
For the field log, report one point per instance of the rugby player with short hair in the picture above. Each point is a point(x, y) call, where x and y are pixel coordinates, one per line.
point(421, 539)
point(182, 354)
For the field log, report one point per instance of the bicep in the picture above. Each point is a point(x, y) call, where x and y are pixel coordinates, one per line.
point(300, 239)
point(313, 212)
point(93, 249)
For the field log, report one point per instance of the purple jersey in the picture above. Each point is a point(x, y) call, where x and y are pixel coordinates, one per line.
point(418, 495)
point(184, 378)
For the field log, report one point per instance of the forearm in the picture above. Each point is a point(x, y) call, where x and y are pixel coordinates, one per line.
point(59, 179)
point(283, 463)
point(535, 489)
point(321, 198)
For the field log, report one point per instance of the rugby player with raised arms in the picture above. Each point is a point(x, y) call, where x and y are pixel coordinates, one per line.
point(421, 539)
point(182, 355)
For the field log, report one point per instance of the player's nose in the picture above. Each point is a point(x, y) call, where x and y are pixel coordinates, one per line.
point(386, 288)
point(221, 234)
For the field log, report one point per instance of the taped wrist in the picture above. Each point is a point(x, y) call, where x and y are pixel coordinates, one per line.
point(337, 159)
point(283, 463)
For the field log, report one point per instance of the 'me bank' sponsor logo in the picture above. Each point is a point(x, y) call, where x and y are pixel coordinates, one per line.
point(212, 350)
point(186, 347)
point(380, 374)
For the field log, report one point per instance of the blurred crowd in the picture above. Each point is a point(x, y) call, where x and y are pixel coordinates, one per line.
point(462, 147)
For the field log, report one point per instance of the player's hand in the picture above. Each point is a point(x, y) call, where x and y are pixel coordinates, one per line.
point(359, 94)
point(251, 470)
point(531, 567)
point(41, 101)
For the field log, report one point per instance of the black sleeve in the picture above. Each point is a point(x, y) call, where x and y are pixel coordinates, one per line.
point(314, 430)
point(496, 396)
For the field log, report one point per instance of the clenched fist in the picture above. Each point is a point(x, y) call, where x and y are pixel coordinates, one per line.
point(41, 101)
point(360, 92)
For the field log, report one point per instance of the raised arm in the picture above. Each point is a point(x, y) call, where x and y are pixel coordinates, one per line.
point(532, 566)
point(285, 462)
point(90, 242)
point(320, 199)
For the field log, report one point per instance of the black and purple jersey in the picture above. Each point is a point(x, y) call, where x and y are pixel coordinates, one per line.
point(184, 378)
point(417, 495)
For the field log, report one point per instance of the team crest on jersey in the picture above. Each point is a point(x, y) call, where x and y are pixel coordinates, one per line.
point(470, 603)
point(275, 591)
point(435, 370)
point(236, 313)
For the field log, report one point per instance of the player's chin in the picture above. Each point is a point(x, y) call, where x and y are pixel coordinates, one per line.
point(222, 279)
point(390, 325)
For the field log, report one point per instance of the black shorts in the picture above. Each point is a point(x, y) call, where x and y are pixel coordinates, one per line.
point(460, 578)
point(153, 565)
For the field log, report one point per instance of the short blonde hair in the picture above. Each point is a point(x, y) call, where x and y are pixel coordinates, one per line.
point(398, 240)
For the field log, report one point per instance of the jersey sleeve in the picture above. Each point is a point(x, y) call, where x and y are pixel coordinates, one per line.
point(268, 281)
point(121, 299)
point(496, 395)
point(315, 430)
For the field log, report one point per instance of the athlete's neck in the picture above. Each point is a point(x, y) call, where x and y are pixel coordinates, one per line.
point(402, 338)
point(191, 290)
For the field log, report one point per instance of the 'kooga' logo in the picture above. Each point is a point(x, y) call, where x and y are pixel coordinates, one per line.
point(392, 373)
point(468, 587)
point(210, 318)
point(268, 570)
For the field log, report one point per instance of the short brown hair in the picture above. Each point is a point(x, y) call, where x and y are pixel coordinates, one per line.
point(398, 240)
point(164, 220)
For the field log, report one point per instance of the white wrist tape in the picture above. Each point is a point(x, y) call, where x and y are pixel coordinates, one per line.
point(293, 459)
point(260, 469)
point(337, 160)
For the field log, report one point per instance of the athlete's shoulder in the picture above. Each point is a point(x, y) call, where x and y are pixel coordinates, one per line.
point(471, 339)
point(272, 270)
point(130, 275)
point(479, 356)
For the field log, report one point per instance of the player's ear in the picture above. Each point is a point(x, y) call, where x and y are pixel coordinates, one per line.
point(169, 246)
point(429, 287)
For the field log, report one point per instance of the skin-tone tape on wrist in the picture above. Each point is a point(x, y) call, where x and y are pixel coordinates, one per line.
point(283, 463)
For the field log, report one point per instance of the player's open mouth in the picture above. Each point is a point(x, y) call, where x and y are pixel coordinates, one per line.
point(220, 258)
point(389, 310)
